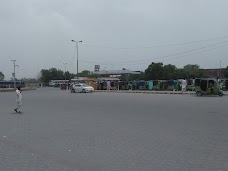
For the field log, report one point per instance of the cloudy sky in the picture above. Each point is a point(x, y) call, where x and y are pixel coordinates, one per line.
point(116, 34)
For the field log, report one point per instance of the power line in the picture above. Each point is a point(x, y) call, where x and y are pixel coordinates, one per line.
point(162, 57)
point(185, 55)
point(176, 54)
point(198, 52)
point(143, 63)
point(156, 46)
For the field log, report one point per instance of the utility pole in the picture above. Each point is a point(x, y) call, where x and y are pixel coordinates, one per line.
point(220, 72)
point(76, 45)
point(14, 74)
point(65, 69)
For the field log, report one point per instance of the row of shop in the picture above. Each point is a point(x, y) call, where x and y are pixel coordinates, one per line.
point(169, 85)
point(116, 84)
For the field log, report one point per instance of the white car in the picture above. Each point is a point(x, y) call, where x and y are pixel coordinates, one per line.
point(82, 88)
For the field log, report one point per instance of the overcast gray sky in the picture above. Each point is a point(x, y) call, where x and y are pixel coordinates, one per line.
point(116, 34)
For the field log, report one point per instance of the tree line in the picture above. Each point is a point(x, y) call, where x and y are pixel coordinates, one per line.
point(155, 71)
point(56, 74)
point(159, 71)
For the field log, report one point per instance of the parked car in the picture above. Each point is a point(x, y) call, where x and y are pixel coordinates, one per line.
point(82, 88)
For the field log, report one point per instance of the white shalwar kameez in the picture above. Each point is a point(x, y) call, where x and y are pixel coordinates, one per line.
point(18, 100)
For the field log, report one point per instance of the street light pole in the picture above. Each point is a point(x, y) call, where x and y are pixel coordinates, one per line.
point(65, 69)
point(220, 75)
point(76, 43)
point(14, 74)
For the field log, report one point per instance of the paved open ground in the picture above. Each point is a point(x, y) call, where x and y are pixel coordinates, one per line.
point(60, 131)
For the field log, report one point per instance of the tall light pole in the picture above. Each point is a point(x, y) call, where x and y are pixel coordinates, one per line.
point(76, 43)
point(64, 63)
point(14, 74)
point(220, 72)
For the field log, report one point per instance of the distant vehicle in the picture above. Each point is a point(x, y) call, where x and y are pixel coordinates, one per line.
point(190, 85)
point(172, 85)
point(63, 86)
point(224, 84)
point(156, 85)
point(57, 83)
point(81, 88)
point(207, 87)
point(10, 84)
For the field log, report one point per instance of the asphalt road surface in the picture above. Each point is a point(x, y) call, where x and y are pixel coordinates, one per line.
point(60, 131)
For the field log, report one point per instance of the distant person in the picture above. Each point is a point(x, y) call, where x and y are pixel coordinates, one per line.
point(71, 87)
point(18, 100)
point(184, 85)
point(108, 85)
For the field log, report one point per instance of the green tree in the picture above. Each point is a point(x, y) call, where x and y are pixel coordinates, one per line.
point(193, 71)
point(2, 76)
point(69, 75)
point(226, 72)
point(180, 74)
point(84, 73)
point(88, 74)
point(56, 74)
point(132, 77)
point(191, 67)
point(45, 76)
point(169, 72)
point(53, 74)
point(155, 71)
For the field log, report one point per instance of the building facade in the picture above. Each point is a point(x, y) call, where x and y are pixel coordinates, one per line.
point(214, 73)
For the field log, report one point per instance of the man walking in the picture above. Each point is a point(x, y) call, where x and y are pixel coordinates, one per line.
point(108, 85)
point(184, 85)
point(18, 100)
